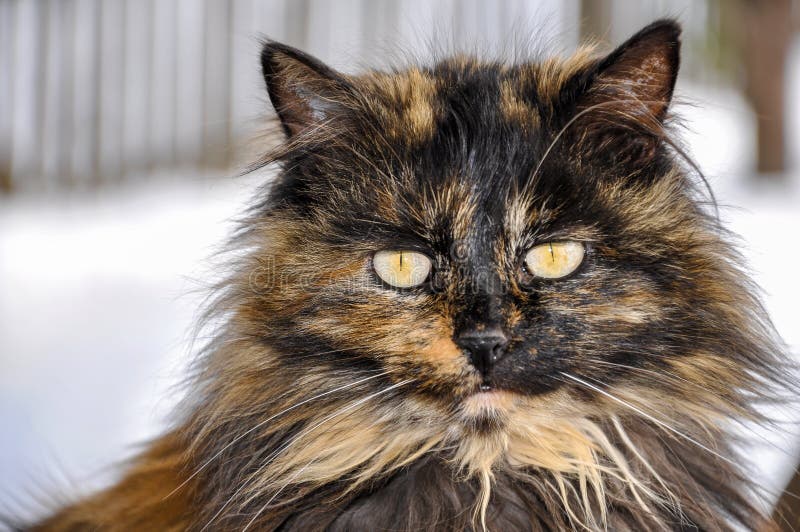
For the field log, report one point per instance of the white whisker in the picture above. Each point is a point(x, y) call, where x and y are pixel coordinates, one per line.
point(571, 121)
point(275, 495)
point(649, 417)
point(296, 438)
point(751, 431)
point(262, 423)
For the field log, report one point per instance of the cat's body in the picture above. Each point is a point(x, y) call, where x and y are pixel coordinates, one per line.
point(493, 390)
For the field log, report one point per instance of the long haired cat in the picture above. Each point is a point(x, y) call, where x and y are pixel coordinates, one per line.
point(478, 296)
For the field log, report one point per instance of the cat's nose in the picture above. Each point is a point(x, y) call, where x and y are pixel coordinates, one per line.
point(485, 348)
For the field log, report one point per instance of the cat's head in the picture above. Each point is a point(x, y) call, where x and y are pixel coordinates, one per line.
point(508, 263)
point(503, 240)
point(478, 226)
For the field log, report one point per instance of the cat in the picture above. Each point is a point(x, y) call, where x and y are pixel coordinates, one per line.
point(477, 296)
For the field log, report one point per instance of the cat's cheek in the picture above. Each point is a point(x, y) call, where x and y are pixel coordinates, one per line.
point(442, 353)
point(434, 361)
point(626, 313)
point(610, 304)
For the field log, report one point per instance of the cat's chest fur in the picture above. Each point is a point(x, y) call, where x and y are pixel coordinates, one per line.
point(426, 496)
point(429, 495)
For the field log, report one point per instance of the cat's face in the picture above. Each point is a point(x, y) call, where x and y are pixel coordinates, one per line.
point(551, 245)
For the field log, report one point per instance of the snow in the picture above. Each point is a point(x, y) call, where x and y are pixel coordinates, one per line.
point(97, 298)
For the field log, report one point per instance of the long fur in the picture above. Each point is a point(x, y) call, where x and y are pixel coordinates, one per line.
point(327, 400)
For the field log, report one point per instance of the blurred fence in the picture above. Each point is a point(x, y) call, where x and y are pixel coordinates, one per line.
point(103, 89)
point(97, 91)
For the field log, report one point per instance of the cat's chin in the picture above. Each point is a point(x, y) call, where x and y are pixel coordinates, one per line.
point(487, 403)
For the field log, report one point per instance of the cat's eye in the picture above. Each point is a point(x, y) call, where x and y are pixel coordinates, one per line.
point(402, 269)
point(554, 260)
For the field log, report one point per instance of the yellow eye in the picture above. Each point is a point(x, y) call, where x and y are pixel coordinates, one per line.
point(554, 259)
point(402, 269)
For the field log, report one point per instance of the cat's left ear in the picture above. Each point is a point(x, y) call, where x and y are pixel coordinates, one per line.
point(624, 98)
point(305, 92)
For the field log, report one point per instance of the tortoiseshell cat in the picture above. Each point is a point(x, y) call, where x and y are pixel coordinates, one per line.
point(477, 296)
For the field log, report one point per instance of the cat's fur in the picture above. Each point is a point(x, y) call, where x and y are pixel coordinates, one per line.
point(329, 400)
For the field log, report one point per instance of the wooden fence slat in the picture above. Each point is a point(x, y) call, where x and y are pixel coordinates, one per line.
point(137, 109)
point(111, 98)
point(189, 76)
point(163, 65)
point(216, 83)
point(6, 92)
point(85, 86)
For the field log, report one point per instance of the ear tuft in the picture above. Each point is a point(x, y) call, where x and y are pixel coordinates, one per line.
point(641, 73)
point(623, 99)
point(304, 91)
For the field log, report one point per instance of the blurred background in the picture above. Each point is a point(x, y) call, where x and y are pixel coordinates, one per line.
point(123, 126)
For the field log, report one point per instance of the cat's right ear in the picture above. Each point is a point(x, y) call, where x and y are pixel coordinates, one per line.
point(622, 101)
point(305, 92)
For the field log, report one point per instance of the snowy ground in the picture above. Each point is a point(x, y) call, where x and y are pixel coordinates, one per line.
point(97, 295)
point(97, 298)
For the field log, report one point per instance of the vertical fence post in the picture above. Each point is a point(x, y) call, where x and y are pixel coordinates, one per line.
point(6, 93)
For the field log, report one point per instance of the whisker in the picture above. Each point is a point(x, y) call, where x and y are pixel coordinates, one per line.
point(274, 454)
point(649, 417)
point(676, 378)
point(262, 423)
point(275, 495)
point(632, 447)
point(571, 121)
point(668, 428)
point(308, 430)
point(661, 135)
point(329, 352)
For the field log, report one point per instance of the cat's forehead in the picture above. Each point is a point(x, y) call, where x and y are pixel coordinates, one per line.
point(412, 103)
point(470, 135)
point(470, 146)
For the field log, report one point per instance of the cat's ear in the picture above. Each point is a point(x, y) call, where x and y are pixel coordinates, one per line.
point(304, 91)
point(629, 91)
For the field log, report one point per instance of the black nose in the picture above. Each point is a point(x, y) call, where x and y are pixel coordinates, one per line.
point(485, 348)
